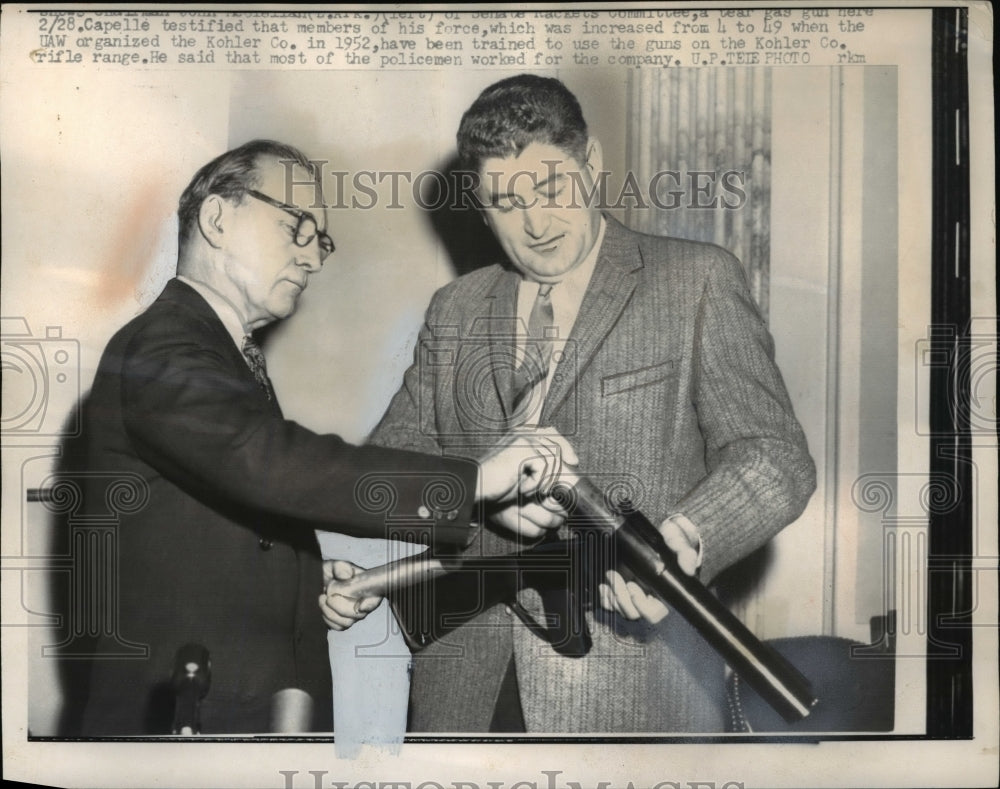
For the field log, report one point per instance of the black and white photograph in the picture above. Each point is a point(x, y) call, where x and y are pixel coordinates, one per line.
point(499, 396)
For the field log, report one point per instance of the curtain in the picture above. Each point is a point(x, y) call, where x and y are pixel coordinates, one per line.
point(699, 145)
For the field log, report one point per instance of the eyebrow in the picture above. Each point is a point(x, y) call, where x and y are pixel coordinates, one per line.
point(303, 212)
point(315, 218)
point(535, 188)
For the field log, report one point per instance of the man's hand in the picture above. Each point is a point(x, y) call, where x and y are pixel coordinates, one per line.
point(340, 612)
point(524, 463)
point(628, 599)
point(531, 520)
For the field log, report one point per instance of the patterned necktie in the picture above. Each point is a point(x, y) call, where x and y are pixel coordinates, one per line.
point(255, 356)
point(534, 367)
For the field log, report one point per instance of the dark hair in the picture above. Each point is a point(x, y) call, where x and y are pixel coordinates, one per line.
point(230, 176)
point(511, 114)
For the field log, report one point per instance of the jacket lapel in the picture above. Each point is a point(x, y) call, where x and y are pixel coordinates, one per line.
point(187, 297)
point(611, 286)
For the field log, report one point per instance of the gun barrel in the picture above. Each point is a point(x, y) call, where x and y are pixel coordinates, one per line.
point(400, 574)
point(642, 553)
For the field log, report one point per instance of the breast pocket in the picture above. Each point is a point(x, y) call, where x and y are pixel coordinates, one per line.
point(634, 418)
point(620, 383)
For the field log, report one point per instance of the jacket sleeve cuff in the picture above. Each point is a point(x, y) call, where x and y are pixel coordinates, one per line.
point(446, 515)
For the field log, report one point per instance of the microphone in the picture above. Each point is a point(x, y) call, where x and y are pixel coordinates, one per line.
point(190, 681)
point(291, 712)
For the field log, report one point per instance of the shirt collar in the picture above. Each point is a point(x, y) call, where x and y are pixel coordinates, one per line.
point(222, 307)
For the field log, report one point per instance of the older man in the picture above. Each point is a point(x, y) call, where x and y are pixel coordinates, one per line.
point(216, 545)
point(649, 354)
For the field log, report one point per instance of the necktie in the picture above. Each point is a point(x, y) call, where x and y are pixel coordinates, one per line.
point(258, 366)
point(537, 351)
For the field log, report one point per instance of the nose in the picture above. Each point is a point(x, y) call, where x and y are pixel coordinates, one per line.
point(310, 258)
point(536, 220)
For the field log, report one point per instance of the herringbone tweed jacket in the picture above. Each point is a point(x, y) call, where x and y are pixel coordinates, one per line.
point(669, 393)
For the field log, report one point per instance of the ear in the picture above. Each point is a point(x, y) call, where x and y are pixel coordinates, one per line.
point(595, 157)
point(211, 220)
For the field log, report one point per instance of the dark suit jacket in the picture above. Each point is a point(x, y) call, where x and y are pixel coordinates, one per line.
point(216, 498)
point(669, 393)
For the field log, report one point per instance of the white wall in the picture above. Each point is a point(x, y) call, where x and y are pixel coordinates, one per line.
point(833, 316)
point(800, 253)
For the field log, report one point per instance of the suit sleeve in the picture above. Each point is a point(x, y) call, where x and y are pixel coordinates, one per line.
point(409, 422)
point(760, 472)
point(201, 424)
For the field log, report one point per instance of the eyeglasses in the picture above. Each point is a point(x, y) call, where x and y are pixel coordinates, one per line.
point(306, 229)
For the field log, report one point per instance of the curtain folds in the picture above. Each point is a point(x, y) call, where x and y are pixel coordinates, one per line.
point(699, 146)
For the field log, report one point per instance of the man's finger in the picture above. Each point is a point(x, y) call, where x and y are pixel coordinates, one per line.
point(541, 516)
point(509, 519)
point(368, 604)
point(333, 619)
point(605, 594)
point(529, 530)
point(539, 470)
point(651, 608)
point(622, 598)
point(349, 608)
point(566, 452)
point(554, 505)
point(343, 570)
point(683, 543)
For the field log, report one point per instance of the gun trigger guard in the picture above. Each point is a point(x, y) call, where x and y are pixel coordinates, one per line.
point(580, 645)
point(530, 622)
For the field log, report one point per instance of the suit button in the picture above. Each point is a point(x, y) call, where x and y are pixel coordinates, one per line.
point(423, 512)
point(265, 544)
